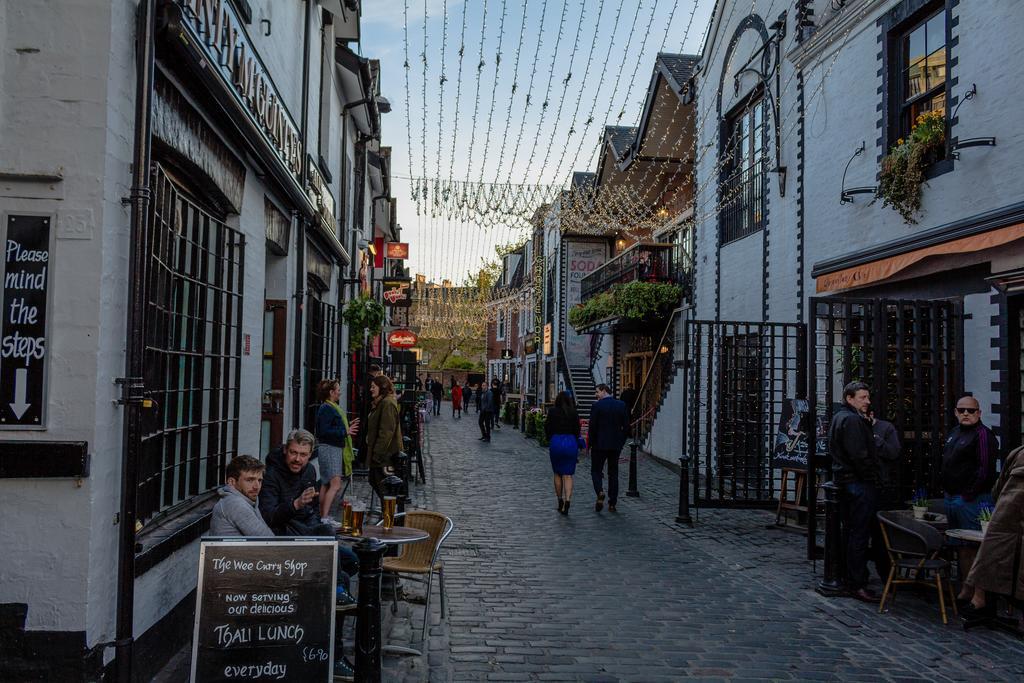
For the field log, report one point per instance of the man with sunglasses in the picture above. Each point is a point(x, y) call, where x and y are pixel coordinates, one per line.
point(968, 473)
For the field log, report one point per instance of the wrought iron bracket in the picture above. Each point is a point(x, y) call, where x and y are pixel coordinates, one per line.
point(970, 142)
point(770, 55)
point(845, 193)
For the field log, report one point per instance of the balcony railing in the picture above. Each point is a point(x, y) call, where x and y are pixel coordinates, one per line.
point(643, 262)
point(742, 204)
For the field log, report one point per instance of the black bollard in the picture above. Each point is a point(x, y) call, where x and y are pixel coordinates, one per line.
point(684, 492)
point(368, 638)
point(831, 585)
point(631, 491)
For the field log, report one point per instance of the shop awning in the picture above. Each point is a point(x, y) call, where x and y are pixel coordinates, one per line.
point(872, 272)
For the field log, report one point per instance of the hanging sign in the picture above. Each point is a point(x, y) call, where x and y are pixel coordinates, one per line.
point(23, 342)
point(265, 610)
point(397, 292)
point(506, 354)
point(547, 339)
point(402, 339)
point(398, 250)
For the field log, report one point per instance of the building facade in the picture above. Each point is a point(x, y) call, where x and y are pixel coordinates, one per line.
point(186, 196)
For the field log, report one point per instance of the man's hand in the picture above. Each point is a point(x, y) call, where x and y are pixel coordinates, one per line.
point(305, 498)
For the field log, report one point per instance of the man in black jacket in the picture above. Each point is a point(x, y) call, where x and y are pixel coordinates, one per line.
point(287, 502)
point(855, 469)
point(437, 393)
point(607, 434)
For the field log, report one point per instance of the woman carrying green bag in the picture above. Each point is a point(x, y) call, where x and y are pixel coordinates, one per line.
point(334, 452)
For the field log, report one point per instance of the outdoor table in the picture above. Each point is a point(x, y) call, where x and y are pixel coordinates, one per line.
point(968, 535)
point(933, 519)
point(398, 535)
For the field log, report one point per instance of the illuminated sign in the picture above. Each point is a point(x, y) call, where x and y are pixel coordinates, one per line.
point(397, 292)
point(402, 339)
point(398, 250)
point(547, 339)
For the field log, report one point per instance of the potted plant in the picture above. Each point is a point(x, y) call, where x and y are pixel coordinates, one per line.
point(363, 313)
point(903, 168)
point(919, 503)
point(984, 517)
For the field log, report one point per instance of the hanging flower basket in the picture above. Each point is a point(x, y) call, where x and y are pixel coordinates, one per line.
point(363, 313)
point(903, 168)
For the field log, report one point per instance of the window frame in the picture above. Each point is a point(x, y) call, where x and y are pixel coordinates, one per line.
point(898, 24)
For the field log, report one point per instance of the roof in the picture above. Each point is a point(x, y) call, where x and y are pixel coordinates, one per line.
point(583, 179)
point(678, 69)
point(620, 138)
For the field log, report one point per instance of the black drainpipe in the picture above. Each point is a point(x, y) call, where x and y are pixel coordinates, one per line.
point(132, 383)
point(300, 247)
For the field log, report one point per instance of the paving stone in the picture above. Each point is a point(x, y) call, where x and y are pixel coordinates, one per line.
point(632, 596)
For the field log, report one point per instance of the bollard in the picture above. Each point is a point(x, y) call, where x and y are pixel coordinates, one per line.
point(831, 585)
point(368, 638)
point(684, 492)
point(631, 491)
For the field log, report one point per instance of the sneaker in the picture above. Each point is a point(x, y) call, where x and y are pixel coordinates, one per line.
point(343, 671)
point(343, 600)
point(334, 524)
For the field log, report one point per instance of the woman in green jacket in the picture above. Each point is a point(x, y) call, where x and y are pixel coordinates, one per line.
point(384, 431)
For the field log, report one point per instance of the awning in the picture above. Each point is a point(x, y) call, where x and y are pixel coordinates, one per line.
point(872, 272)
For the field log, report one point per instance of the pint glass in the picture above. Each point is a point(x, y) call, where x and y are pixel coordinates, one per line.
point(389, 505)
point(346, 517)
point(357, 522)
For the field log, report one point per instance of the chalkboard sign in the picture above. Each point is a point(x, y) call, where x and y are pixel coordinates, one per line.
point(265, 611)
point(23, 344)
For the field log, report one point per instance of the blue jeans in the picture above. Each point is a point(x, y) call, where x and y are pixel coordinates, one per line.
point(858, 504)
point(348, 565)
point(963, 514)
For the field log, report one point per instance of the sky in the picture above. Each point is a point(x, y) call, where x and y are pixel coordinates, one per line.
point(589, 60)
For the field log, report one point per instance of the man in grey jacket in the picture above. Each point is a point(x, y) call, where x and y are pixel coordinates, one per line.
point(236, 514)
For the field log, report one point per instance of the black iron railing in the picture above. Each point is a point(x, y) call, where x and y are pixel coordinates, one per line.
point(643, 262)
point(742, 200)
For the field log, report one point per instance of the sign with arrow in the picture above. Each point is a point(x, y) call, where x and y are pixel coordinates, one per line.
point(23, 342)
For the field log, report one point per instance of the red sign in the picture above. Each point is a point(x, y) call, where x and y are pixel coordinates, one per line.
point(378, 252)
point(402, 339)
point(398, 250)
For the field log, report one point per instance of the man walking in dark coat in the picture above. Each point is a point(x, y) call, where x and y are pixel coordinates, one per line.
point(855, 469)
point(608, 431)
point(437, 392)
point(486, 403)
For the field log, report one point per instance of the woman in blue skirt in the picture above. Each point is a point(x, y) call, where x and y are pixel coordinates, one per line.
point(562, 428)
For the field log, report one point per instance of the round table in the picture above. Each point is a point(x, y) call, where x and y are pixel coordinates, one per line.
point(398, 535)
point(969, 535)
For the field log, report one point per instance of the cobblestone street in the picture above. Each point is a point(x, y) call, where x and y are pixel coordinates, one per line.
point(631, 596)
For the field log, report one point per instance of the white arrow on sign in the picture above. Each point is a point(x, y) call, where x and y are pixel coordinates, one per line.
point(20, 387)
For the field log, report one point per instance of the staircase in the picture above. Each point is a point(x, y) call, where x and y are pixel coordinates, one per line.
point(583, 385)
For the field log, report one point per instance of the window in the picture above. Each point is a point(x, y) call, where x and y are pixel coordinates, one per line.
point(743, 189)
point(321, 351)
point(501, 326)
point(193, 350)
point(922, 71)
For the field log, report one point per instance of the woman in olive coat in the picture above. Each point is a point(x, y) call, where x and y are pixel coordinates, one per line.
point(999, 566)
point(384, 431)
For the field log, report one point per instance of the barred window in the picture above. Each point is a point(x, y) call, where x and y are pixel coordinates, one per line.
point(193, 322)
point(743, 188)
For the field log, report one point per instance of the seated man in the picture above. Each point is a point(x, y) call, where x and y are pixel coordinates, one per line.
point(287, 503)
point(236, 514)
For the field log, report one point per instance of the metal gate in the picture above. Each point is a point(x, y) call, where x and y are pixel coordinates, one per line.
point(739, 377)
point(910, 353)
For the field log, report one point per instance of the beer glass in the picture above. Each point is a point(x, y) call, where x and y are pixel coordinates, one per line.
point(388, 507)
point(357, 522)
point(346, 517)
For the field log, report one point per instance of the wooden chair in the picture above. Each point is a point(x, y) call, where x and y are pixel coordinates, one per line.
point(421, 559)
point(913, 549)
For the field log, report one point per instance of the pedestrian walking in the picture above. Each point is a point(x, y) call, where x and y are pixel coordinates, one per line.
point(437, 392)
point(968, 474)
point(478, 394)
point(562, 428)
point(856, 470)
point(383, 432)
point(334, 445)
point(608, 431)
point(467, 396)
point(486, 403)
point(456, 401)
